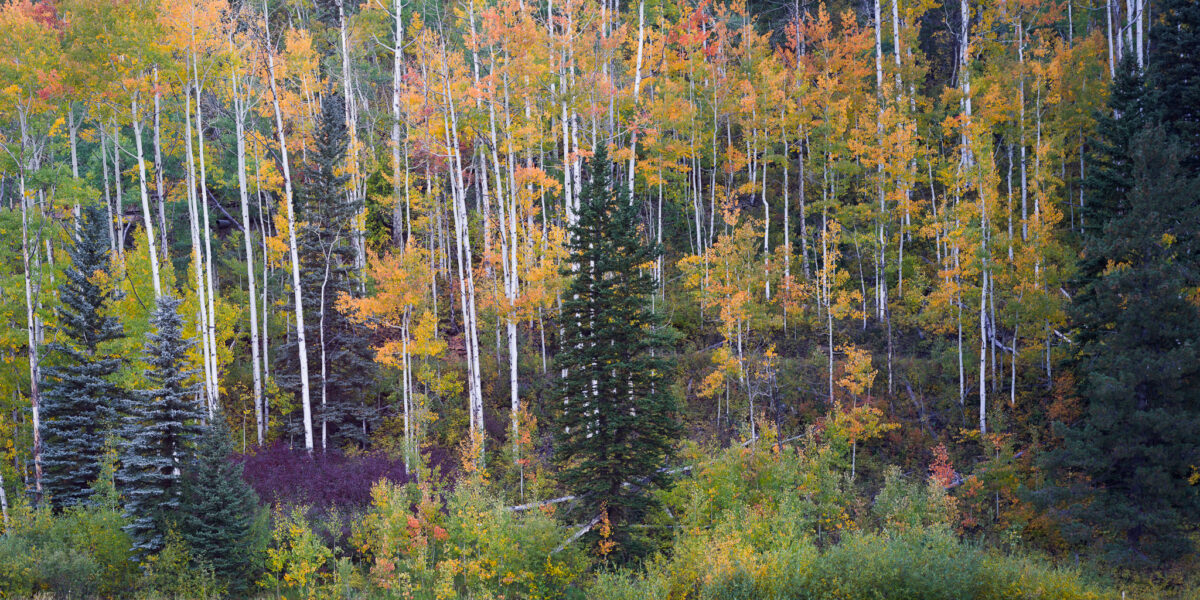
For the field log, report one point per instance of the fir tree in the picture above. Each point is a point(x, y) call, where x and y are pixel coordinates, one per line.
point(80, 401)
point(327, 255)
point(217, 513)
point(616, 426)
point(1127, 461)
point(160, 426)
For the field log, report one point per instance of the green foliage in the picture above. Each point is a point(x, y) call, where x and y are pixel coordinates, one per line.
point(81, 553)
point(512, 555)
point(759, 544)
point(298, 559)
point(472, 547)
point(173, 573)
point(617, 419)
point(905, 505)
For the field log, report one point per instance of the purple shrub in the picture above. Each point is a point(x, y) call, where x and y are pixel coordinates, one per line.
point(282, 475)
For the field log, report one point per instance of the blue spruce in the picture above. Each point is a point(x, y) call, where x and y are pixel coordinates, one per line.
point(80, 400)
point(160, 426)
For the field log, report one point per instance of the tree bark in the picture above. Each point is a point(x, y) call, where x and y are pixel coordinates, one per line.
point(305, 400)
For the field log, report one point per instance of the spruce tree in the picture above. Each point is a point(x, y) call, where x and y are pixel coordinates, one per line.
point(327, 255)
point(1174, 73)
point(160, 425)
point(81, 400)
point(1126, 464)
point(616, 419)
point(218, 507)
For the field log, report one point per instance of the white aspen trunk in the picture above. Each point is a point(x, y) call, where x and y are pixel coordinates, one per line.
point(766, 231)
point(405, 392)
point(31, 320)
point(120, 206)
point(73, 129)
point(637, 85)
point(147, 219)
point(397, 65)
point(4, 501)
point(1108, 21)
point(1139, 6)
point(214, 383)
point(826, 271)
point(305, 400)
point(802, 139)
point(983, 339)
point(509, 243)
point(158, 167)
point(962, 381)
point(324, 358)
point(896, 43)
point(202, 315)
point(881, 260)
point(358, 236)
point(265, 354)
point(1021, 128)
point(108, 207)
point(465, 271)
point(239, 115)
point(787, 228)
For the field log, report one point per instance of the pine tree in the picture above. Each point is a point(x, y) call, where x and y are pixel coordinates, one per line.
point(218, 506)
point(1129, 458)
point(327, 272)
point(159, 430)
point(616, 426)
point(81, 400)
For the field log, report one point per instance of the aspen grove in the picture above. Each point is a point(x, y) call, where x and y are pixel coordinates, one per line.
point(588, 298)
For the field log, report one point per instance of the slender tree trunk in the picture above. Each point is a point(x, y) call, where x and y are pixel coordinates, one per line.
point(202, 314)
point(637, 85)
point(147, 219)
point(239, 114)
point(108, 207)
point(158, 168)
point(120, 206)
point(397, 65)
point(31, 319)
point(214, 384)
point(1108, 22)
point(465, 271)
point(305, 400)
point(324, 358)
point(357, 236)
point(73, 130)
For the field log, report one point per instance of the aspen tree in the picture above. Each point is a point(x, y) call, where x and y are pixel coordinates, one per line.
point(305, 401)
point(240, 111)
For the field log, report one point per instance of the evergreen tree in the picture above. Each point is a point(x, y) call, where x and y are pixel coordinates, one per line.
point(1174, 73)
point(326, 249)
point(80, 401)
point(218, 507)
point(1129, 457)
point(616, 425)
point(160, 426)
point(1110, 164)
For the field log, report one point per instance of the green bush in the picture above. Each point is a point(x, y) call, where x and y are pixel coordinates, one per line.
point(82, 553)
point(784, 525)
